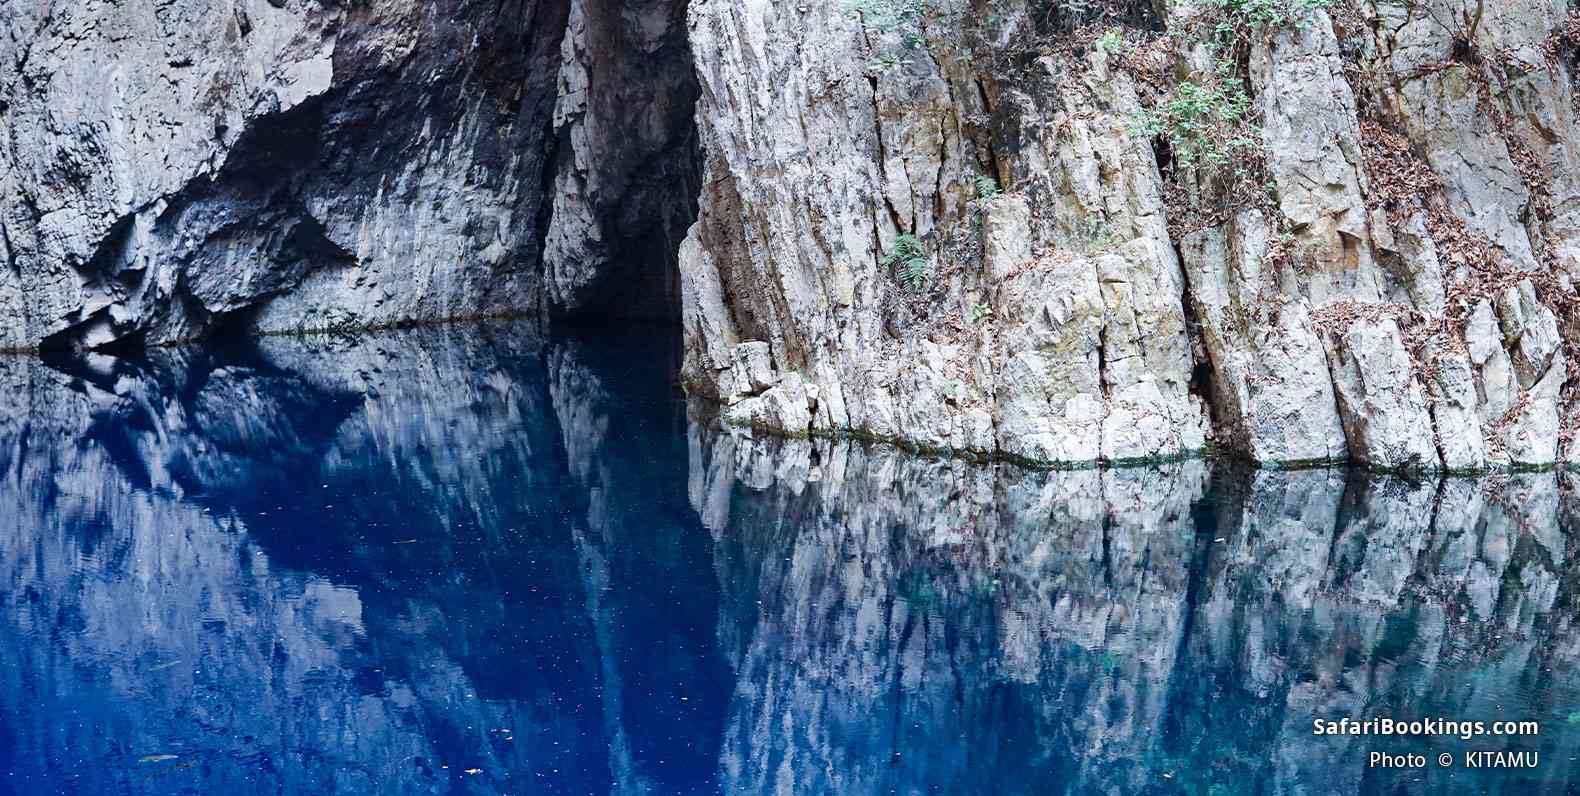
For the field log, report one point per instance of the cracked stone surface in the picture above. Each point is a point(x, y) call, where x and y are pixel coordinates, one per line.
point(170, 170)
point(1065, 321)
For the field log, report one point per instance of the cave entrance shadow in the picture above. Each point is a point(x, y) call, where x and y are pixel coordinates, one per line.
point(624, 173)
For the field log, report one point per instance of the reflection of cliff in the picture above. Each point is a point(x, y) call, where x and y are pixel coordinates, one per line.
point(313, 566)
point(644, 562)
point(362, 565)
point(905, 625)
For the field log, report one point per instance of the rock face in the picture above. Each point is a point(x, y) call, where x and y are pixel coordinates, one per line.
point(626, 183)
point(1376, 266)
point(266, 165)
point(1050, 231)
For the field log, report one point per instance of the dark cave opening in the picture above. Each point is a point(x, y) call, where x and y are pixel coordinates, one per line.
point(622, 180)
point(639, 281)
point(539, 160)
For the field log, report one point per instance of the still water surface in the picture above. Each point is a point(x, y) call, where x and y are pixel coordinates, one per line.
point(469, 561)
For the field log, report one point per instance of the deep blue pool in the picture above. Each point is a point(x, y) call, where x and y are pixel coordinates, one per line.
point(474, 561)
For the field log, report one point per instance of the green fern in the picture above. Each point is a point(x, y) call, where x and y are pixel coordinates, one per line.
point(908, 258)
point(889, 16)
point(1112, 41)
point(987, 187)
point(1270, 14)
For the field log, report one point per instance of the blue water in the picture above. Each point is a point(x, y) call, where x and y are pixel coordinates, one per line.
point(475, 561)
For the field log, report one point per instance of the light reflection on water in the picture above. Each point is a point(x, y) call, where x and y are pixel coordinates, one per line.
point(474, 561)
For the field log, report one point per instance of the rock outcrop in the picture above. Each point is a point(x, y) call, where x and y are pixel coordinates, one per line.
point(267, 165)
point(626, 185)
point(1312, 232)
point(1051, 231)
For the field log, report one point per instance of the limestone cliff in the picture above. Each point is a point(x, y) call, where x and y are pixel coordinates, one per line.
point(1066, 232)
point(1056, 231)
point(169, 168)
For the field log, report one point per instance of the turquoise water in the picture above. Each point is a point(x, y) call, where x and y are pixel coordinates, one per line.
point(474, 561)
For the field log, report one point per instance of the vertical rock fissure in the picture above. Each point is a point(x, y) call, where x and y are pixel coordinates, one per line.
point(545, 214)
point(622, 183)
point(1201, 382)
point(9, 252)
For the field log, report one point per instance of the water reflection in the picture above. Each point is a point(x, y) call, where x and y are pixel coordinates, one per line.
point(337, 566)
point(899, 624)
point(476, 561)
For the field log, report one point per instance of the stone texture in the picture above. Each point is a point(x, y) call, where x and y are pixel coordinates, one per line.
point(173, 169)
point(1079, 312)
point(815, 165)
point(172, 165)
point(1270, 372)
point(1381, 404)
point(626, 183)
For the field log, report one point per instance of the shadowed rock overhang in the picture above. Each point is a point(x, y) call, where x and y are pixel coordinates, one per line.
point(278, 166)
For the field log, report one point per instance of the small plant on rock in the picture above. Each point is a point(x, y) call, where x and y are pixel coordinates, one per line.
point(987, 187)
point(1203, 122)
point(1112, 41)
point(891, 16)
point(883, 63)
point(1205, 129)
point(1100, 236)
point(908, 258)
point(1263, 15)
point(980, 311)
